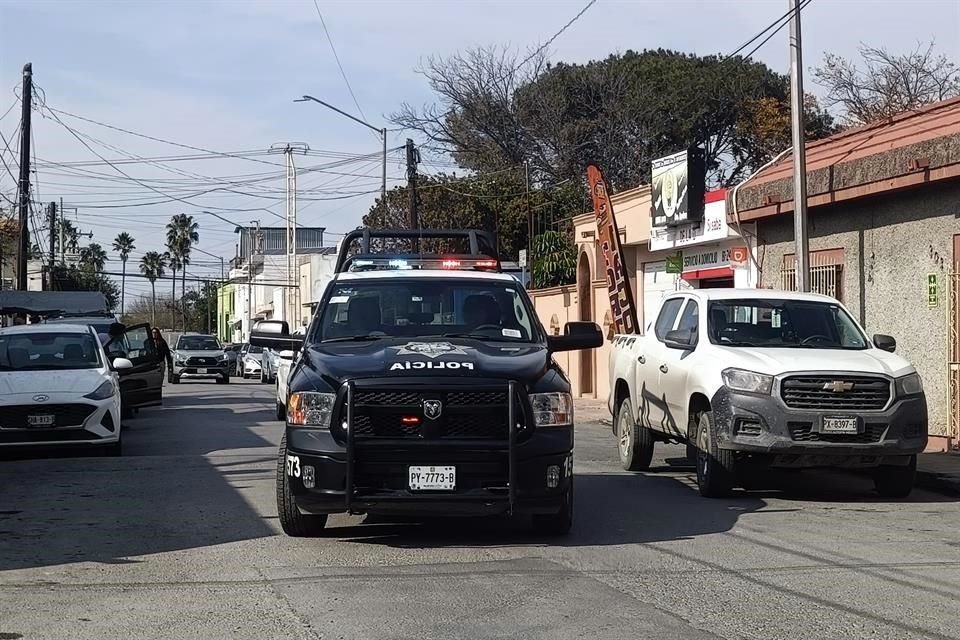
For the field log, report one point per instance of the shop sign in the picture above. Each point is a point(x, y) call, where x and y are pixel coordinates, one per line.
point(675, 263)
point(714, 257)
point(712, 228)
point(618, 284)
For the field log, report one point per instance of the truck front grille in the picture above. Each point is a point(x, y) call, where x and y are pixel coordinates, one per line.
point(852, 393)
point(468, 415)
point(196, 361)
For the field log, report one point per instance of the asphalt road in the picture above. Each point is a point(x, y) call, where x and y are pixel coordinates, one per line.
point(179, 539)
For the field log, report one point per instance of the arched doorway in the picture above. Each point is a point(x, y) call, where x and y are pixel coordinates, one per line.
point(585, 296)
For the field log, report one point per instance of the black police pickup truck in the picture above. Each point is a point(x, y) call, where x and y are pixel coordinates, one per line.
point(425, 385)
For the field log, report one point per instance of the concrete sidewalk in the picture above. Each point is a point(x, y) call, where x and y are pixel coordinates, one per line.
point(937, 471)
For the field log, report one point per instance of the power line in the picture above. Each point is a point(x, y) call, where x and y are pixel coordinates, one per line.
point(554, 37)
point(785, 21)
point(337, 58)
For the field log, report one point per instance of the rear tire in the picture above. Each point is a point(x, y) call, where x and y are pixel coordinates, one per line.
point(560, 523)
point(895, 481)
point(281, 411)
point(715, 466)
point(635, 442)
point(175, 379)
point(294, 523)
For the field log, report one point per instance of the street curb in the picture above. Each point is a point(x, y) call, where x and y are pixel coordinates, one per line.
point(938, 482)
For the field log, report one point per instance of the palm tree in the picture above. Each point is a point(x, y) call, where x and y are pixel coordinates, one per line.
point(152, 265)
point(93, 258)
point(182, 234)
point(123, 244)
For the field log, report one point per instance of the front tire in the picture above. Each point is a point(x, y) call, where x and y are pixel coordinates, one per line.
point(635, 442)
point(293, 523)
point(715, 466)
point(895, 481)
point(223, 380)
point(174, 379)
point(114, 450)
point(560, 523)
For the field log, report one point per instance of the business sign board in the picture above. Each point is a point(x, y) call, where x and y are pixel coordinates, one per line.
point(679, 182)
point(622, 307)
point(710, 229)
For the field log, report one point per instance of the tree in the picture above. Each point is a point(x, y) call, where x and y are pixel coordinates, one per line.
point(83, 278)
point(123, 244)
point(494, 203)
point(621, 112)
point(182, 234)
point(93, 258)
point(554, 260)
point(887, 83)
point(152, 265)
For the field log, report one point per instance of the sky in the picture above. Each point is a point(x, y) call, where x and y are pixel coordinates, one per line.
point(223, 75)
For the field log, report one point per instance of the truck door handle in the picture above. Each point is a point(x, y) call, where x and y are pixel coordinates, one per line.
point(642, 360)
point(663, 368)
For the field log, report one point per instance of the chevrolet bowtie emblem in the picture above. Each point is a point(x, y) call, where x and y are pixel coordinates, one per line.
point(837, 386)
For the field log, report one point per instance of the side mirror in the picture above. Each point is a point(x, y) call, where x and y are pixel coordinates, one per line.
point(576, 336)
point(683, 339)
point(119, 364)
point(887, 343)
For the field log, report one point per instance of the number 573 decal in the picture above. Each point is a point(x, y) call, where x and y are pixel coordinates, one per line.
point(293, 466)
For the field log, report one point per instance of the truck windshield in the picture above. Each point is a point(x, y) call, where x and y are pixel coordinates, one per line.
point(782, 323)
point(427, 307)
point(197, 343)
point(46, 351)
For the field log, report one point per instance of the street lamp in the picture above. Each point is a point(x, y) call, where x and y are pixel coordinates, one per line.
point(381, 132)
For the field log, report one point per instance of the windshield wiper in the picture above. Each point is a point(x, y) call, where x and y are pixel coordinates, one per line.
point(352, 338)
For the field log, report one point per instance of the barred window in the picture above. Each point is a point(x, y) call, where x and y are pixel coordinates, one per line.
point(826, 273)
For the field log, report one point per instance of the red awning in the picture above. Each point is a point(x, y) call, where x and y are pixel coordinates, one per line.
point(707, 274)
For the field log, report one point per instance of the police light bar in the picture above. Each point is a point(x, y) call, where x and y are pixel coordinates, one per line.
point(410, 263)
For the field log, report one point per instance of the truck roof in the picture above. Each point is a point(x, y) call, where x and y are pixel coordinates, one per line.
point(753, 294)
point(46, 328)
point(426, 273)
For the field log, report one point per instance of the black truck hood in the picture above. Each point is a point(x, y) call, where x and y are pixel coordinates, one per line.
point(335, 362)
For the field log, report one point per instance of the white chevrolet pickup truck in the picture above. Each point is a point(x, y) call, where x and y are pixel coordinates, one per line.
point(755, 378)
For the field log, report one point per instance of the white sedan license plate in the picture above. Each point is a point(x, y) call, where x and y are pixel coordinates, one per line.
point(433, 478)
point(841, 425)
point(201, 371)
point(41, 421)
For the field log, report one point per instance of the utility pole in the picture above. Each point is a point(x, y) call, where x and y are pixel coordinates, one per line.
point(801, 241)
point(526, 179)
point(383, 185)
point(63, 255)
point(412, 161)
point(254, 250)
point(23, 247)
point(291, 292)
point(52, 213)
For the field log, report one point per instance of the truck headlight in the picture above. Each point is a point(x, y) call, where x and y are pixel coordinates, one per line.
point(310, 409)
point(747, 381)
point(909, 385)
point(103, 392)
point(180, 362)
point(552, 409)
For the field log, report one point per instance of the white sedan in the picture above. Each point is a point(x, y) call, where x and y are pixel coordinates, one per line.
point(250, 364)
point(58, 388)
point(284, 364)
